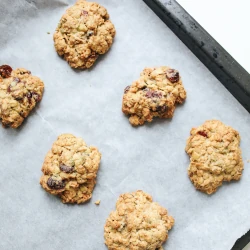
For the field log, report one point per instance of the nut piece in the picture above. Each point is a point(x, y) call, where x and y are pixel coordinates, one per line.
point(19, 94)
point(215, 155)
point(137, 223)
point(83, 33)
point(153, 95)
point(70, 169)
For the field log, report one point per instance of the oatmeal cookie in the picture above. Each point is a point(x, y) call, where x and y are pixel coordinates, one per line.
point(215, 155)
point(70, 169)
point(155, 94)
point(138, 223)
point(19, 94)
point(83, 33)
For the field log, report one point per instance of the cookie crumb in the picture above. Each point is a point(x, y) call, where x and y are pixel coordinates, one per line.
point(98, 202)
point(48, 33)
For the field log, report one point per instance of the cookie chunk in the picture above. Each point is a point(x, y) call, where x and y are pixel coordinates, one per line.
point(19, 94)
point(215, 155)
point(138, 223)
point(153, 95)
point(83, 33)
point(70, 169)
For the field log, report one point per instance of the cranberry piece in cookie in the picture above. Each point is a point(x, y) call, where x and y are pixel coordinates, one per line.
point(5, 71)
point(173, 75)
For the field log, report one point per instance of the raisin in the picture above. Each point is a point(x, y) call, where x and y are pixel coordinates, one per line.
point(202, 133)
point(126, 89)
point(153, 94)
point(66, 169)
point(5, 71)
point(173, 75)
point(9, 89)
point(162, 109)
point(55, 184)
point(85, 13)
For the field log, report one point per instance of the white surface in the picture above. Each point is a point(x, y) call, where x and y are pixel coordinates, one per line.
point(88, 104)
point(227, 21)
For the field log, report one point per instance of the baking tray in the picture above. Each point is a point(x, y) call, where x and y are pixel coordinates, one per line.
point(230, 73)
point(88, 104)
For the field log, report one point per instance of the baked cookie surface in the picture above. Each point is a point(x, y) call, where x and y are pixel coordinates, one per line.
point(83, 33)
point(138, 223)
point(70, 169)
point(19, 94)
point(215, 155)
point(154, 94)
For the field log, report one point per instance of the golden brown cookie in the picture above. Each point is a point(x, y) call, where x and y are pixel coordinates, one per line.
point(215, 155)
point(155, 94)
point(70, 169)
point(138, 223)
point(83, 33)
point(19, 94)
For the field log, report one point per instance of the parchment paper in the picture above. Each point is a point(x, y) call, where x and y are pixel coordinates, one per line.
point(88, 104)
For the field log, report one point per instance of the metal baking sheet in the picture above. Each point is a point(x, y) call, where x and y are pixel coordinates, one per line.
point(88, 104)
point(230, 73)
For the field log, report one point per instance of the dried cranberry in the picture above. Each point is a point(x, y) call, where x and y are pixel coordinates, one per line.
point(153, 94)
point(162, 109)
point(85, 13)
point(66, 169)
point(202, 133)
point(9, 89)
point(36, 96)
point(93, 55)
point(55, 184)
point(126, 89)
point(173, 75)
point(5, 71)
point(29, 95)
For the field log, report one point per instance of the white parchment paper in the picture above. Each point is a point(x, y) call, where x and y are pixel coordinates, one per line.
point(88, 104)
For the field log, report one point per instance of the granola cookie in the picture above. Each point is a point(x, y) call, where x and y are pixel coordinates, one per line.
point(215, 155)
point(70, 169)
point(153, 95)
point(19, 94)
point(83, 33)
point(138, 223)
